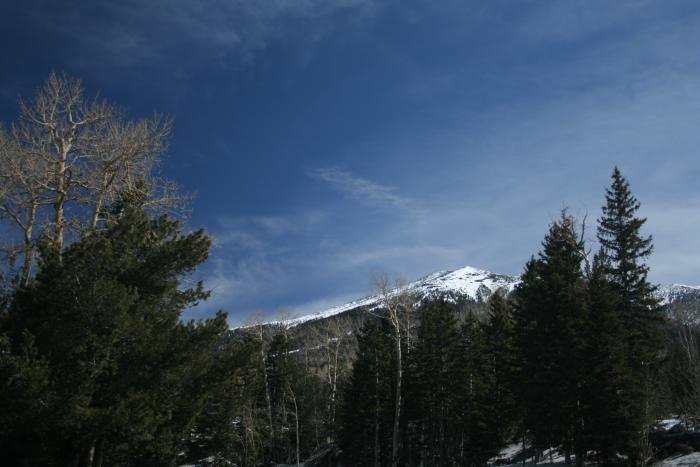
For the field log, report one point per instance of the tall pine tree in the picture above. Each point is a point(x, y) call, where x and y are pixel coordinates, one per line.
point(502, 362)
point(549, 317)
point(605, 372)
point(476, 397)
point(434, 385)
point(367, 408)
point(619, 233)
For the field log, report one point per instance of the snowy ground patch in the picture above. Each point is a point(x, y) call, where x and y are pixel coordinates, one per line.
point(687, 460)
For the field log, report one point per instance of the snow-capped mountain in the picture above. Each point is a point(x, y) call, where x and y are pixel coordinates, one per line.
point(477, 285)
point(467, 282)
point(674, 293)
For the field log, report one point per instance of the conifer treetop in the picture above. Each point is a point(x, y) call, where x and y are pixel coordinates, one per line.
point(620, 237)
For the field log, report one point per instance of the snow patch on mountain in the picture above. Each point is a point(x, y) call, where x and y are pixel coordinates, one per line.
point(675, 292)
point(478, 285)
point(467, 282)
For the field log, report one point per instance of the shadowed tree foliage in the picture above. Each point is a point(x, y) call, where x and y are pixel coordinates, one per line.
point(434, 384)
point(502, 362)
point(637, 307)
point(367, 409)
point(550, 316)
point(603, 401)
point(97, 336)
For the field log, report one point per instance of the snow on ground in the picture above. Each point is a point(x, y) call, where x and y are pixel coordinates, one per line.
point(687, 460)
point(509, 451)
point(512, 450)
point(548, 457)
point(669, 423)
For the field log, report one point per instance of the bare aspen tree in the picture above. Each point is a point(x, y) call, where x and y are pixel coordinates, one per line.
point(256, 322)
point(22, 182)
point(122, 160)
point(293, 398)
point(333, 339)
point(69, 156)
point(377, 409)
point(58, 125)
point(395, 301)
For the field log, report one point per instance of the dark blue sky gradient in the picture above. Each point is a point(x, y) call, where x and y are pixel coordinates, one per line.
point(329, 139)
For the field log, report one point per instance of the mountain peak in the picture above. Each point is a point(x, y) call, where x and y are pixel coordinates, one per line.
point(469, 282)
point(478, 285)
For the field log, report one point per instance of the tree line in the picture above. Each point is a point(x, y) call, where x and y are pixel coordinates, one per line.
point(573, 359)
point(98, 367)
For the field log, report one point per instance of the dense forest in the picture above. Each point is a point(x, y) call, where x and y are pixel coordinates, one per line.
point(98, 368)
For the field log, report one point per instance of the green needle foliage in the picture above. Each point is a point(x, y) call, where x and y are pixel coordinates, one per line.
point(625, 249)
point(550, 317)
point(100, 365)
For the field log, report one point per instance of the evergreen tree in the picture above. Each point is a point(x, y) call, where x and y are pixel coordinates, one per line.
point(603, 404)
point(476, 397)
point(98, 335)
point(502, 357)
point(367, 408)
point(435, 384)
point(25, 394)
point(230, 428)
point(290, 386)
point(619, 233)
point(549, 318)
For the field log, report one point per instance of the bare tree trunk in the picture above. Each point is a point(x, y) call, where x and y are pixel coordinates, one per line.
point(334, 385)
point(29, 244)
point(326, 343)
point(99, 453)
point(60, 196)
point(87, 455)
point(267, 387)
point(397, 403)
point(105, 184)
point(407, 328)
point(395, 302)
point(296, 423)
point(377, 407)
point(96, 211)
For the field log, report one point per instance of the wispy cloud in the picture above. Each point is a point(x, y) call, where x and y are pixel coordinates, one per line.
point(253, 232)
point(364, 189)
point(254, 259)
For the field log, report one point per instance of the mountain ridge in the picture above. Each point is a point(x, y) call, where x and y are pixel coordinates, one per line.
point(469, 282)
point(474, 284)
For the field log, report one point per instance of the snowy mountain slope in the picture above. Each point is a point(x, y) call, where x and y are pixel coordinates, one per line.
point(478, 284)
point(674, 293)
point(467, 282)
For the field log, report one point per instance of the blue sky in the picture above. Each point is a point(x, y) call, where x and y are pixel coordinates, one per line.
point(330, 139)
